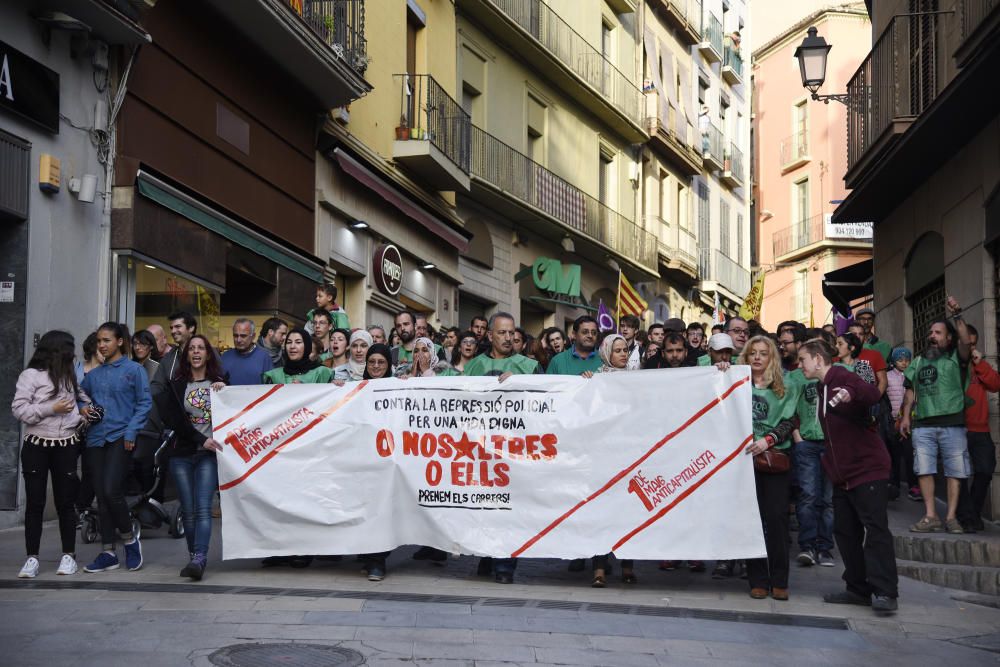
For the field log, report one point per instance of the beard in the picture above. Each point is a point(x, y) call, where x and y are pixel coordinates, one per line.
point(933, 353)
point(406, 336)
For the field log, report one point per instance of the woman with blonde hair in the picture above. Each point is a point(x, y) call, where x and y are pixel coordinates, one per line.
point(773, 422)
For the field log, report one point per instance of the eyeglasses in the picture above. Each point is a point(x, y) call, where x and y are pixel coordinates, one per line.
point(735, 330)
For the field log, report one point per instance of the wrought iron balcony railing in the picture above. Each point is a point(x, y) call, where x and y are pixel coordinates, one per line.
point(794, 149)
point(559, 38)
point(974, 13)
point(711, 32)
point(734, 163)
point(516, 175)
point(339, 23)
point(813, 230)
point(428, 113)
point(715, 266)
point(897, 81)
point(734, 61)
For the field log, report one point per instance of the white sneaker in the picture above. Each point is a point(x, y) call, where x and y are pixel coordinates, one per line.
point(30, 569)
point(67, 565)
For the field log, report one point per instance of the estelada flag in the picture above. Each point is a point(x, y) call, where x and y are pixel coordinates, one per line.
point(750, 310)
point(629, 301)
point(718, 317)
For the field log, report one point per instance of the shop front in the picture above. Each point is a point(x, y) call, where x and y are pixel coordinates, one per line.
point(385, 251)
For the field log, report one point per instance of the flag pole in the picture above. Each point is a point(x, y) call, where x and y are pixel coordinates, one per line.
point(618, 303)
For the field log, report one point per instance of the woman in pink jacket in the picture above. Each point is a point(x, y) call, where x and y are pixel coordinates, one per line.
point(46, 402)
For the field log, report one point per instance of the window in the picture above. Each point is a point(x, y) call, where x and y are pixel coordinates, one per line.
point(800, 131)
point(535, 142)
point(927, 305)
point(472, 104)
point(683, 219)
point(800, 209)
point(663, 192)
point(604, 179)
point(702, 91)
point(739, 238)
point(801, 304)
point(704, 230)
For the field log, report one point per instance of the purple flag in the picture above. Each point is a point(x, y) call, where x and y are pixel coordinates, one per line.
point(604, 320)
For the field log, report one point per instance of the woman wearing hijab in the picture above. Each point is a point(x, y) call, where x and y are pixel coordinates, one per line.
point(298, 367)
point(425, 362)
point(378, 366)
point(614, 354)
point(354, 369)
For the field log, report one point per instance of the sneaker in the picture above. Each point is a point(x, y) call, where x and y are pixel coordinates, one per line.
point(196, 568)
point(376, 573)
point(953, 526)
point(30, 569)
point(825, 559)
point(105, 561)
point(884, 604)
point(914, 494)
point(847, 597)
point(723, 570)
point(927, 525)
point(67, 565)
point(668, 565)
point(133, 555)
point(806, 558)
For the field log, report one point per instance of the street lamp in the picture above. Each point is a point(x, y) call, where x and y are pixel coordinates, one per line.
point(812, 54)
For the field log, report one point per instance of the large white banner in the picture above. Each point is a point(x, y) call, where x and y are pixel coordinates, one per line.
point(646, 464)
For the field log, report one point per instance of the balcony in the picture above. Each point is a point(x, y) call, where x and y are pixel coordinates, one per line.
point(683, 15)
point(898, 80)
point(711, 148)
point(818, 233)
point(732, 169)
point(318, 43)
point(979, 20)
point(671, 134)
point(732, 65)
point(711, 40)
point(719, 271)
point(535, 32)
point(434, 136)
point(502, 174)
point(678, 246)
point(794, 151)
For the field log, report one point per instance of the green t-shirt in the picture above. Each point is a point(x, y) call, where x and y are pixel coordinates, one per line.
point(939, 387)
point(338, 319)
point(769, 411)
point(706, 360)
point(568, 362)
point(809, 426)
point(517, 364)
point(882, 348)
point(318, 375)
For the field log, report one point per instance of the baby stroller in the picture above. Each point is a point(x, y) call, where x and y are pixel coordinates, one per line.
point(145, 511)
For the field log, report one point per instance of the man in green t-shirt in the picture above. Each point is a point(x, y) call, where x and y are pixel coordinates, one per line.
point(582, 354)
point(814, 505)
point(866, 318)
point(501, 362)
point(934, 404)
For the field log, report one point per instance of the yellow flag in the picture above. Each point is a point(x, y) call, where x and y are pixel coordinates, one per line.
point(629, 301)
point(812, 320)
point(750, 310)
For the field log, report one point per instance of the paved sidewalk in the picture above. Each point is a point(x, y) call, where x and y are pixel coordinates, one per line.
point(429, 615)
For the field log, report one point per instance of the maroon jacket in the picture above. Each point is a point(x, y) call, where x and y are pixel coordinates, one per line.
point(854, 453)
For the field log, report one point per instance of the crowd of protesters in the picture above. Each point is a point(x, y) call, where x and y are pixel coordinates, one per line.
point(840, 420)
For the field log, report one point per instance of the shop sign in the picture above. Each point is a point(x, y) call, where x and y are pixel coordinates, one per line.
point(862, 231)
point(387, 269)
point(549, 275)
point(29, 88)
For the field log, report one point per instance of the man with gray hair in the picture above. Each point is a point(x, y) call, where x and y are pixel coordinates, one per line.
point(377, 332)
point(247, 361)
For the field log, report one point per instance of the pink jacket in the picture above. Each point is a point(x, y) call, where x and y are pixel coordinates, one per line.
point(32, 405)
point(895, 391)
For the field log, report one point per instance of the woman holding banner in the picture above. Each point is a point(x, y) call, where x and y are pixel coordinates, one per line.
point(614, 354)
point(773, 422)
point(186, 409)
point(378, 366)
point(298, 367)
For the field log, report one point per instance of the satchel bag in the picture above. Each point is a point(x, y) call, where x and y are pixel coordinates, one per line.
point(772, 462)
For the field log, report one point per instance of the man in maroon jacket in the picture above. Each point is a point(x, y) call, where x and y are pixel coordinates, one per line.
point(857, 464)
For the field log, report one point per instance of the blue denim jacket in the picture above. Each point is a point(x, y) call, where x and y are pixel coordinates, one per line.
point(122, 389)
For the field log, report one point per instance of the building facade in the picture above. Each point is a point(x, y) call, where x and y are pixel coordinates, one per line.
point(696, 165)
point(923, 164)
point(801, 159)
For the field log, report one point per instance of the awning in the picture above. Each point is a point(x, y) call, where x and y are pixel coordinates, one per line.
point(843, 286)
point(369, 179)
point(104, 19)
point(183, 204)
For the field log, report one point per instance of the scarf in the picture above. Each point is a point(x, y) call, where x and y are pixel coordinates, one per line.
point(381, 349)
point(356, 369)
point(436, 365)
point(303, 365)
point(605, 352)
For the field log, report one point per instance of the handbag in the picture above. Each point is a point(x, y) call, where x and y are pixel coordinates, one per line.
point(772, 462)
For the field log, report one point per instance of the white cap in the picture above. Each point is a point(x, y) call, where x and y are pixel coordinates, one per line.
point(721, 341)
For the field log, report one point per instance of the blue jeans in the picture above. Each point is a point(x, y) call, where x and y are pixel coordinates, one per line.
point(814, 507)
point(950, 442)
point(197, 479)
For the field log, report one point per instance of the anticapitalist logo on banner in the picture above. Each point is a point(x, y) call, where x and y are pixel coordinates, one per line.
point(535, 466)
